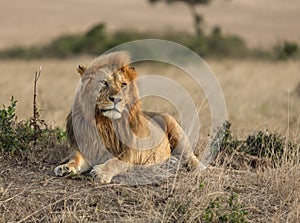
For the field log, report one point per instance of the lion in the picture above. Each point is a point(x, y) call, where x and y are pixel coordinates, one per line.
point(107, 130)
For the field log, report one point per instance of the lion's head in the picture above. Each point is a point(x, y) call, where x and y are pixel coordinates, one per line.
point(113, 81)
point(106, 104)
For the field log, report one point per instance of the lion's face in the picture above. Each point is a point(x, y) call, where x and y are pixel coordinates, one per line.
point(115, 93)
point(112, 95)
point(110, 80)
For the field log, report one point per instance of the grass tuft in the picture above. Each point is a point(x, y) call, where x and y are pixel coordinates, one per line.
point(260, 149)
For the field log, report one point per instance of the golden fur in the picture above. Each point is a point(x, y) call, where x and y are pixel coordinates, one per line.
point(107, 129)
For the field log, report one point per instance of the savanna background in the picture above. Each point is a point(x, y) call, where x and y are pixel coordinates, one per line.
point(251, 46)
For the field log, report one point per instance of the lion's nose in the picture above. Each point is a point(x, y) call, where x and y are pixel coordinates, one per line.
point(114, 99)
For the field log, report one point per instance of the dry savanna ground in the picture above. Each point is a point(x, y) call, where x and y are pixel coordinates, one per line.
point(259, 95)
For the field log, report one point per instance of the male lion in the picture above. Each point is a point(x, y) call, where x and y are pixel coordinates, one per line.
point(107, 130)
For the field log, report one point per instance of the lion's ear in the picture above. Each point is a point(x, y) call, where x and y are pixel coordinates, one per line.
point(130, 72)
point(81, 69)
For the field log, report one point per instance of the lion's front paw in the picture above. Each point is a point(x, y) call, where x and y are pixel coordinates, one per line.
point(64, 169)
point(194, 164)
point(98, 173)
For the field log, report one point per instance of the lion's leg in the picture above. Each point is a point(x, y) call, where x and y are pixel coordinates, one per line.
point(179, 142)
point(106, 171)
point(76, 165)
point(181, 147)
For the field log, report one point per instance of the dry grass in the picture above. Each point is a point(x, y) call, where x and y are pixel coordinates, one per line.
point(30, 193)
point(258, 95)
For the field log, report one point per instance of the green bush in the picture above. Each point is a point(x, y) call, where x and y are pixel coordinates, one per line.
point(62, 47)
point(298, 89)
point(229, 45)
point(262, 144)
point(286, 50)
point(95, 40)
point(225, 210)
point(21, 52)
point(16, 135)
point(13, 135)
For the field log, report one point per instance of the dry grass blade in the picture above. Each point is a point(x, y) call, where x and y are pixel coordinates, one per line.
point(35, 108)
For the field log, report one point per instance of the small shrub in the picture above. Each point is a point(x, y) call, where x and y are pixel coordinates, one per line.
point(298, 89)
point(225, 45)
point(286, 50)
point(21, 135)
point(225, 210)
point(13, 135)
point(63, 47)
point(263, 145)
point(178, 209)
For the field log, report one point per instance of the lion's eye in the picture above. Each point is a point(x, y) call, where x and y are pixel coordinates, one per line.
point(124, 85)
point(104, 83)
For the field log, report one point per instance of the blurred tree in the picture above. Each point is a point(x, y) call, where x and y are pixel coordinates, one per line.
point(192, 7)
